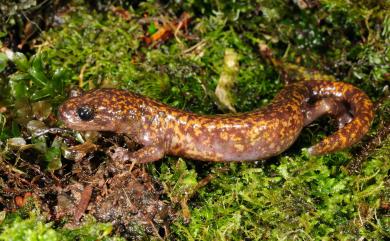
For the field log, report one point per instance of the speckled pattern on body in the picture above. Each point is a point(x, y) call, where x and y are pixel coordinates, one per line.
point(255, 135)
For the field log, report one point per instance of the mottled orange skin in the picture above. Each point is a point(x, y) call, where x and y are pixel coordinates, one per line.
point(255, 135)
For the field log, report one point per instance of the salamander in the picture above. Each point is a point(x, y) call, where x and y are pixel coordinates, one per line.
point(259, 134)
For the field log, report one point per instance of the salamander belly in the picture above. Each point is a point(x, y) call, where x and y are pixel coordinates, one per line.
point(237, 140)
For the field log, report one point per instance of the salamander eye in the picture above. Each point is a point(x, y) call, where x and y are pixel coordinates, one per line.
point(85, 113)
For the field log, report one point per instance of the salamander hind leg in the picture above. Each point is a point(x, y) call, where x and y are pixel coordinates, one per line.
point(328, 106)
point(354, 122)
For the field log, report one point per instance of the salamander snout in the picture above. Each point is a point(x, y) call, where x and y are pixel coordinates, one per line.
point(95, 110)
point(75, 116)
point(81, 116)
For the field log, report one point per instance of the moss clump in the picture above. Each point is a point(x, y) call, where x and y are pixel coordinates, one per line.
point(299, 197)
point(33, 226)
point(107, 50)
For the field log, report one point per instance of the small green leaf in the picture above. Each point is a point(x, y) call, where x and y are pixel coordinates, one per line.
point(41, 94)
point(15, 129)
point(2, 34)
point(3, 61)
point(53, 155)
point(36, 71)
point(40, 145)
point(21, 62)
point(18, 88)
point(18, 76)
point(58, 79)
point(152, 28)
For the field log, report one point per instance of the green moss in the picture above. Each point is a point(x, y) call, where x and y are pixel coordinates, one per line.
point(33, 226)
point(301, 197)
point(109, 52)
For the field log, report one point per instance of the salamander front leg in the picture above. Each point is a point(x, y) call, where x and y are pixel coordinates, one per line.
point(146, 154)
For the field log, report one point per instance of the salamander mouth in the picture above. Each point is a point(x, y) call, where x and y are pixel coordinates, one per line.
point(61, 113)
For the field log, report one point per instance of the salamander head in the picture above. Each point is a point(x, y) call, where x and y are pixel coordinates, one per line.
point(100, 110)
